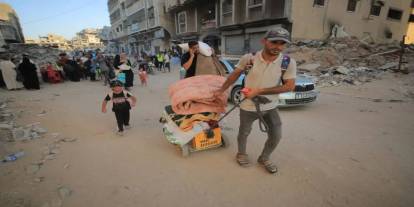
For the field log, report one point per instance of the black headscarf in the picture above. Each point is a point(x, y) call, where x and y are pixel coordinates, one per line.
point(26, 61)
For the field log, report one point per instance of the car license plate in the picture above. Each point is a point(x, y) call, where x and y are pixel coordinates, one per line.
point(304, 95)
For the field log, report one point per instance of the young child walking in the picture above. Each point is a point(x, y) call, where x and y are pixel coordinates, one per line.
point(143, 76)
point(122, 101)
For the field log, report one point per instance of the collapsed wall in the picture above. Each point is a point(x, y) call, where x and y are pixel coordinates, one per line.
point(38, 54)
point(345, 60)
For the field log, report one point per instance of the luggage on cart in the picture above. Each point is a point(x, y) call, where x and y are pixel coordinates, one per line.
point(202, 136)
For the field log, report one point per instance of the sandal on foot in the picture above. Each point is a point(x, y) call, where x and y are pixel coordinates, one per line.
point(242, 160)
point(268, 165)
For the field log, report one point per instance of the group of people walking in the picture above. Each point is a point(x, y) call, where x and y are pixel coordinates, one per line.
point(162, 61)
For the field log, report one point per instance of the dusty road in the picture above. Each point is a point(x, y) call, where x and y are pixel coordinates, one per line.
point(354, 147)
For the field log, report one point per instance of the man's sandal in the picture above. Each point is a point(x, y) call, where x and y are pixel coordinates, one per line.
point(243, 160)
point(268, 165)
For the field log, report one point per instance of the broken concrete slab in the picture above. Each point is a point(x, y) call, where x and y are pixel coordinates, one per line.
point(39, 130)
point(32, 169)
point(342, 70)
point(309, 67)
point(34, 135)
point(64, 192)
point(50, 157)
point(391, 65)
point(39, 179)
point(6, 126)
point(18, 133)
point(68, 139)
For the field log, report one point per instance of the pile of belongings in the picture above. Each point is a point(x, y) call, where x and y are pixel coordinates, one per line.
point(193, 107)
point(195, 95)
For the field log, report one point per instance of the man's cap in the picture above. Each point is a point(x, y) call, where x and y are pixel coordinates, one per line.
point(278, 34)
point(116, 83)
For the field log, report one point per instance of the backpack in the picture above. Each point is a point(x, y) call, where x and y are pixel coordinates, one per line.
point(284, 66)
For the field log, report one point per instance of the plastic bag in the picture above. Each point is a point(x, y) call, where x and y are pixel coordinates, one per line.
point(205, 49)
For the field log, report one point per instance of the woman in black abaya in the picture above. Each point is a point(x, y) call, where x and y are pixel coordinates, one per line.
point(28, 70)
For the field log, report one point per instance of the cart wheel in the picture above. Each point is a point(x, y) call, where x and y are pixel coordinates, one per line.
point(224, 141)
point(185, 150)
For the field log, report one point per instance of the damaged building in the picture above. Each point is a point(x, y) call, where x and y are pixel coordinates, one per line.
point(10, 29)
point(234, 27)
point(139, 26)
point(370, 20)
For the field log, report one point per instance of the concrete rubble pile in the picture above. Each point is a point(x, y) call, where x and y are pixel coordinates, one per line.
point(38, 54)
point(10, 131)
point(344, 60)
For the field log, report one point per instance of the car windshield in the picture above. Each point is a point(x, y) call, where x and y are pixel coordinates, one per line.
point(230, 62)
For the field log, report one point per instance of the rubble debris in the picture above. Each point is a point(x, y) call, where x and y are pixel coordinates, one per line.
point(388, 66)
point(42, 113)
point(32, 169)
point(309, 67)
point(64, 192)
point(54, 203)
point(39, 179)
point(14, 199)
point(50, 157)
point(6, 126)
point(37, 53)
point(395, 101)
point(69, 139)
point(343, 60)
point(12, 132)
point(342, 70)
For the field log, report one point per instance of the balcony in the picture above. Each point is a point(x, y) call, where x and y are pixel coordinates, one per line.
point(120, 34)
point(112, 4)
point(133, 28)
point(137, 6)
point(172, 5)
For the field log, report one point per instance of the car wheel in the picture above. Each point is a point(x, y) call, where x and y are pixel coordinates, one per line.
point(236, 95)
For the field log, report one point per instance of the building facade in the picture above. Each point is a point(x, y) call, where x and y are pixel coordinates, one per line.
point(52, 40)
point(232, 27)
point(235, 27)
point(139, 26)
point(105, 35)
point(10, 29)
point(87, 39)
point(410, 31)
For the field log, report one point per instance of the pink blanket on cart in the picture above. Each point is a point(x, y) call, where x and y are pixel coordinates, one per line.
point(195, 95)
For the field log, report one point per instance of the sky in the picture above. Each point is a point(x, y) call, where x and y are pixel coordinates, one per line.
point(62, 17)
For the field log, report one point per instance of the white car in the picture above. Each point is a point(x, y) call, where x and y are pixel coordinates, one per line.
point(304, 93)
